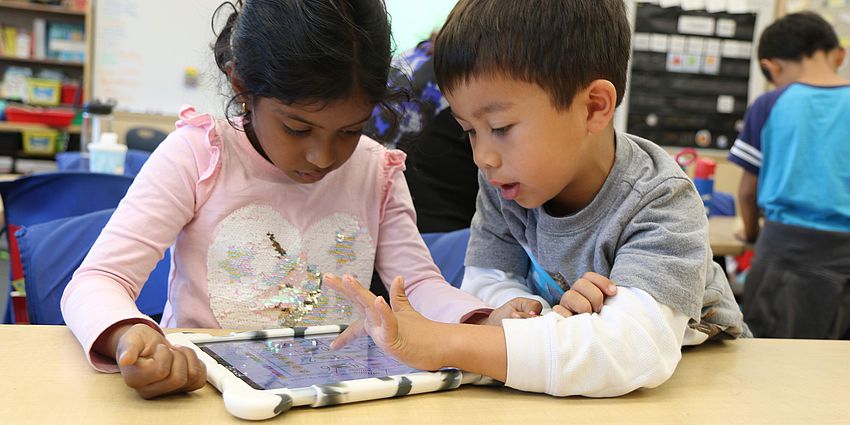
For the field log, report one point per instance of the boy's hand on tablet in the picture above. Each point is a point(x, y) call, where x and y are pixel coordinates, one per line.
point(517, 308)
point(391, 327)
point(586, 295)
point(154, 367)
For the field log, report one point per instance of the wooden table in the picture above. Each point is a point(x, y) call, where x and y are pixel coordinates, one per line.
point(46, 380)
point(721, 236)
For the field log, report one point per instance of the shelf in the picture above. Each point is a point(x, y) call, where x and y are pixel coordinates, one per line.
point(32, 7)
point(14, 127)
point(36, 156)
point(45, 62)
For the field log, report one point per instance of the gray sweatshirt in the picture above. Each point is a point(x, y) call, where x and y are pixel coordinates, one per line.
point(646, 229)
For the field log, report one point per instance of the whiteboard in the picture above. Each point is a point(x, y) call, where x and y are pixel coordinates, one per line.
point(142, 49)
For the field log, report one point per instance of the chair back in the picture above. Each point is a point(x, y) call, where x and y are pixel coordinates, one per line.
point(722, 204)
point(144, 138)
point(52, 251)
point(49, 196)
point(448, 251)
point(75, 161)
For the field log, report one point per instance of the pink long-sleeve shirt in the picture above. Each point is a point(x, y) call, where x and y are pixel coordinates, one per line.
point(248, 243)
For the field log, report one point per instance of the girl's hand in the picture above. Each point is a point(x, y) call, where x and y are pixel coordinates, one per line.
point(398, 330)
point(154, 367)
point(586, 295)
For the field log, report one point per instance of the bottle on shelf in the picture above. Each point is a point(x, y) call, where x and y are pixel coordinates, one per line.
point(97, 119)
point(704, 181)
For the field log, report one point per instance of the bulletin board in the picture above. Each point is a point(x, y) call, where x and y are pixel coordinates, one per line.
point(836, 12)
point(152, 56)
point(693, 71)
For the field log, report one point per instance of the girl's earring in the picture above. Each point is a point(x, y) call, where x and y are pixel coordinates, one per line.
point(244, 108)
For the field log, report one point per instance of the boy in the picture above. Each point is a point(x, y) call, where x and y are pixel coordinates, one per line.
point(535, 85)
point(794, 150)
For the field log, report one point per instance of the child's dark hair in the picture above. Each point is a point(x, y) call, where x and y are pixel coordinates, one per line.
point(796, 36)
point(305, 50)
point(560, 45)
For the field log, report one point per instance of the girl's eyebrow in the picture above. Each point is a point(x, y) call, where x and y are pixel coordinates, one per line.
point(298, 118)
point(295, 117)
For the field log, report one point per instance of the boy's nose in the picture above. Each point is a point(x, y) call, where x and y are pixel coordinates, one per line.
point(484, 156)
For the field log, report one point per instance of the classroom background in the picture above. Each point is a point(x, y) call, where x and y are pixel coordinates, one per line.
point(73, 69)
point(95, 85)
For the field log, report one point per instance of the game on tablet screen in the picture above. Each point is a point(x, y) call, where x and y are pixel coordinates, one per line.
point(291, 362)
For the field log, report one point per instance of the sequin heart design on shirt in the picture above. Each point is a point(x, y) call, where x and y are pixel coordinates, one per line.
point(263, 273)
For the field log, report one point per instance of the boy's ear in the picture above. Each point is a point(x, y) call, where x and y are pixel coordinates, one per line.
point(771, 68)
point(837, 56)
point(601, 103)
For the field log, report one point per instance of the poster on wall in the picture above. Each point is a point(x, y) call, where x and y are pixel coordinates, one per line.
point(690, 75)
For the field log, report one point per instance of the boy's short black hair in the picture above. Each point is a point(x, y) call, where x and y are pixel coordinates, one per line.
point(796, 36)
point(560, 45)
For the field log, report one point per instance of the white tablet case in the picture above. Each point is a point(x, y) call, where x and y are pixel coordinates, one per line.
point(245, 402)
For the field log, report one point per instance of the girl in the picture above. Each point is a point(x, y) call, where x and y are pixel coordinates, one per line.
point(257, 208)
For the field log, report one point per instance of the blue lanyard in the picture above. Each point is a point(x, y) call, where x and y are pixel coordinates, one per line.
point(544, 285)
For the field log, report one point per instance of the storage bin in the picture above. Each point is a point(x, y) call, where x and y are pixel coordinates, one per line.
point(55, 117)
point(43, 92)
point(40, 142)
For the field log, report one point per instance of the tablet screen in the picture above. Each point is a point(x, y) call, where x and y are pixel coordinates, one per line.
point(291, 362)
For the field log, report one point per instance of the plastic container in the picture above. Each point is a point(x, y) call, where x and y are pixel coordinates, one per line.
point(70, 94)
point(40, 141)
point(704, 181)
point(97, 119)
point(43, 92)
point(107, 156)
point(53, 117)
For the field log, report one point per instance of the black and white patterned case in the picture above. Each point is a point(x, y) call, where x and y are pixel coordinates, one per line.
point(300, 356)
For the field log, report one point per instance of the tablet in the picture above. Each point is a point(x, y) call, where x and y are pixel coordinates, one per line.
point(261, 374)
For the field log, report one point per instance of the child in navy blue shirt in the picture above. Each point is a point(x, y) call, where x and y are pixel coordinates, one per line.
point(794, 149)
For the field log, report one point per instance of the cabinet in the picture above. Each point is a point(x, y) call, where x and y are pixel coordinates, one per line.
point(50, 40)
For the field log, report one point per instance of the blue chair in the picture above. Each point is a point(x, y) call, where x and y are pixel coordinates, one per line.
point(722, 204)
point(448, 251)
point(144, 138)
point(52, 251)
point(74, 161)
point(49, 196)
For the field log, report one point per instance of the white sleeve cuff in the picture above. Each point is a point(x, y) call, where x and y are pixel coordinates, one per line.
point(634, 342)
point(496, 287)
